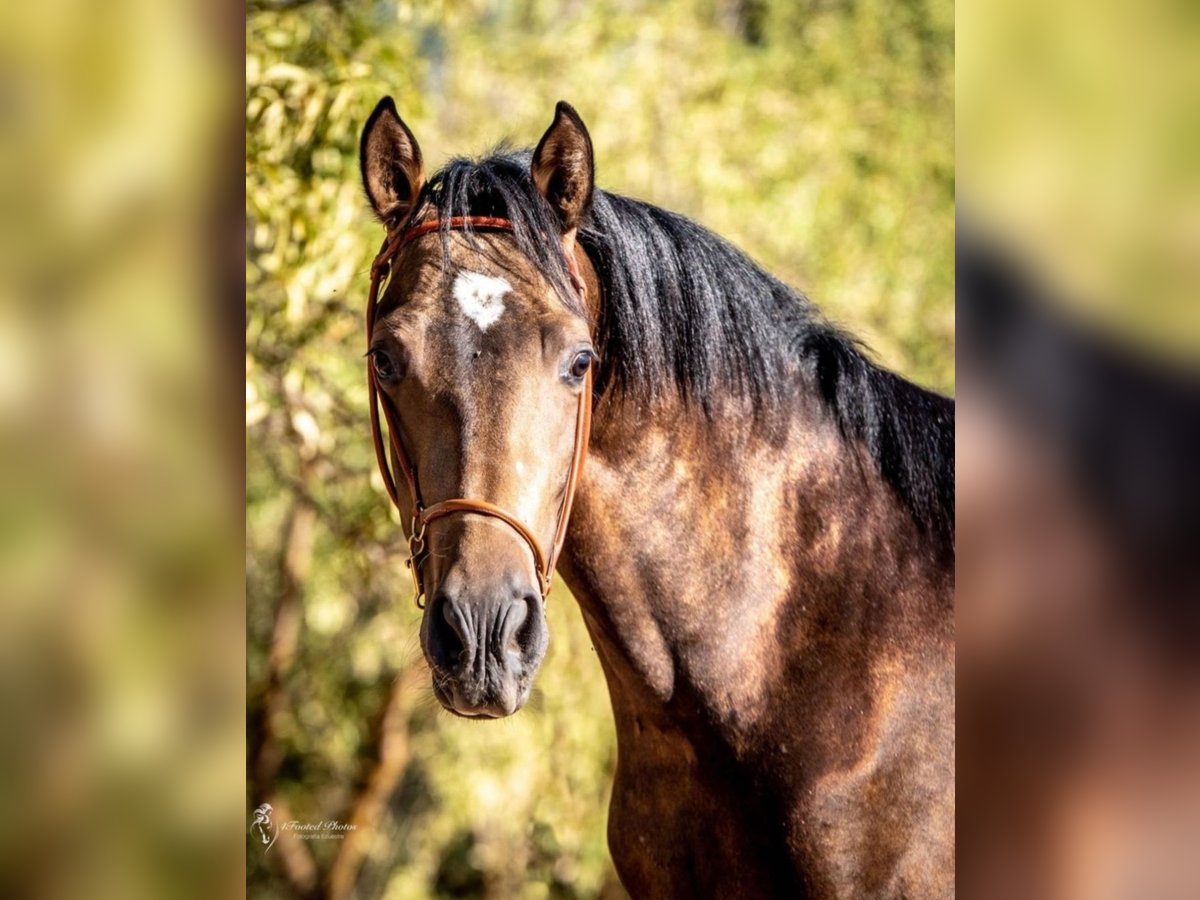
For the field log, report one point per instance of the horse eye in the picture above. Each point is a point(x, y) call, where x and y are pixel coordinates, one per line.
point(581, 363)
point(385, 368)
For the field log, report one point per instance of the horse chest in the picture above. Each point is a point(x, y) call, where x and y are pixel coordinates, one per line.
point(684, 823)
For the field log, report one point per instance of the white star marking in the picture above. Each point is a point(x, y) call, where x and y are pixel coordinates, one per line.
point(481, 297)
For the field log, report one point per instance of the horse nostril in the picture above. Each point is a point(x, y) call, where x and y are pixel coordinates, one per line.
point(450, 633)
point(525, 633)
point(512, 616)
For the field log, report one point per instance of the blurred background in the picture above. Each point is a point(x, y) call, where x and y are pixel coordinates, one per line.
point(1077, 441)
point(121, 616)
point(816, 135)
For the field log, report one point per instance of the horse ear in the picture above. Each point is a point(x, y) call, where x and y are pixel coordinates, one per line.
point(563, 167)
point(390, 158)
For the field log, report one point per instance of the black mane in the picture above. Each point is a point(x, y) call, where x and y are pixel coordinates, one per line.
point(685, 311)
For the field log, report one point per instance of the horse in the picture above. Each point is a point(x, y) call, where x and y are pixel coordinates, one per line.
point(760, 542)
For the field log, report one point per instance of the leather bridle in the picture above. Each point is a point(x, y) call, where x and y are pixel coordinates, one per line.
point(424, 515)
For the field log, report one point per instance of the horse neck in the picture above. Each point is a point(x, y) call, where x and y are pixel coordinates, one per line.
point(709, 556)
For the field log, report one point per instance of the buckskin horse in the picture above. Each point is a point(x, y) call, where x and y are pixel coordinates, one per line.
point(761, 540)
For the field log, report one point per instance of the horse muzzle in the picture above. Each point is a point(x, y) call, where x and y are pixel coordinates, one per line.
point(484, 647)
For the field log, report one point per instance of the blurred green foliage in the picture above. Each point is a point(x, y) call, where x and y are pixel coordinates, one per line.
point(816, 135)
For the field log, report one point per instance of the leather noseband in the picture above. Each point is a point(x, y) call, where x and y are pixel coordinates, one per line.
point(423, 515)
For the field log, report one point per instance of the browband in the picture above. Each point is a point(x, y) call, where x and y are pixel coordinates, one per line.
point(423, 515)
